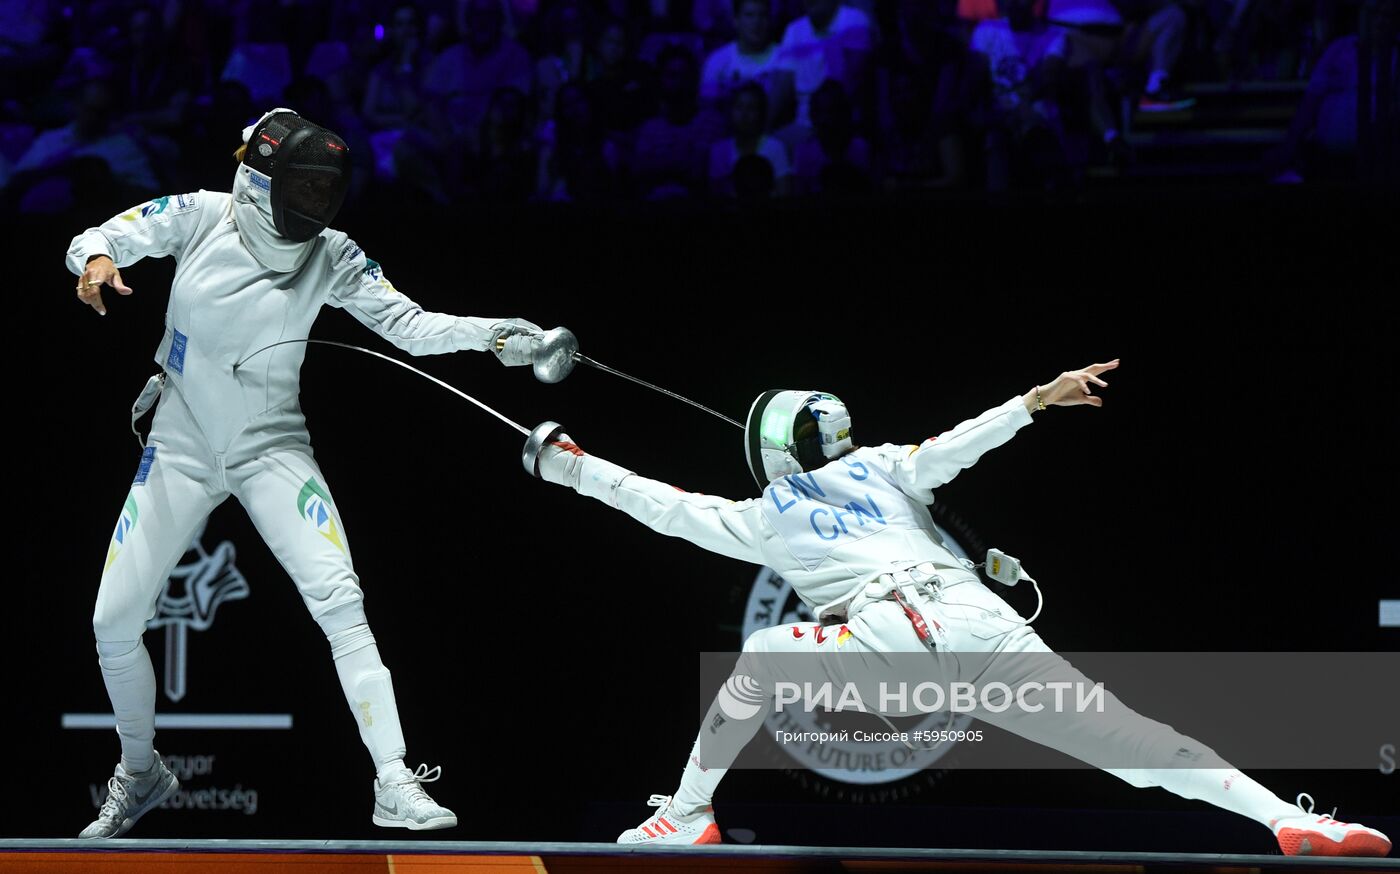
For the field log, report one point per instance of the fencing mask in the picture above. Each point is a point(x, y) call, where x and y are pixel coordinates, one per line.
point(792, 431)
point(304, 169)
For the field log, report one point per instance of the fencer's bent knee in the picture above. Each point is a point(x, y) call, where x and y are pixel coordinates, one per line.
point(343, 618)
point(758, 641)
point(118, 622)
point(352, 639)
point(115, 649)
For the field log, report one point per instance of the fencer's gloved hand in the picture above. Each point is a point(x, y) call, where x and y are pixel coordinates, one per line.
point(561, 461)
point(553, 456)
point(519, 336)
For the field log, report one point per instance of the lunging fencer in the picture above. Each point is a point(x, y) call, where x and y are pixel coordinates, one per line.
point(253, 268)
point(849, 528)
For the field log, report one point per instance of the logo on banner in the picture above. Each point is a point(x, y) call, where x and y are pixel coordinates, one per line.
point(204, 580)
point(190, 600)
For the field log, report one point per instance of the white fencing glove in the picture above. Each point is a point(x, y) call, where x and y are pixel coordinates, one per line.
point(520, 338)
point(553, 456)
point(561, 461)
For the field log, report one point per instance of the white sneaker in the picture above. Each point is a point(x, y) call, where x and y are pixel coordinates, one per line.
point(128, 797)
point(1311, 834)
point(402, 803)
point(666, 827)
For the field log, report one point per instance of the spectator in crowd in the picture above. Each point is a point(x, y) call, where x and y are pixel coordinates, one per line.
point(83, 64)
point(1245, 32)
point(313, 99)
point(1323, 140)
point(671, 146)
point(1025, 59)
point(1281, 38)
point(581, 163)
point(831, 41)
point(396, 107)
point(921, 109)
point(259, 56)
point(230, 107)
point(28, 50)
point(504, 167)
point(438, 19)
point(465, 75)
point(565, 28)
point(917, 150)
point(642, 17)
point(754, 179)
point(834, 152)
point(714, 20)
point(752, 56)
point(619, 87)
point(1144, 36)
point(932, 50)
point(747, 113)
point(156, 83)
point(394, 95)
point(517, 16)
point(91, 135)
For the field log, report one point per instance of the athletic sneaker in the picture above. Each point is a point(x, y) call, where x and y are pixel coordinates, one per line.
point(1311, 834)
point(401, 802)
point(1164, 100)
point(129, 796)
point(667, 827)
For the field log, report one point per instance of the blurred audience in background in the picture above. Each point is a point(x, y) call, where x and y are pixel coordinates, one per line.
point(513, 101)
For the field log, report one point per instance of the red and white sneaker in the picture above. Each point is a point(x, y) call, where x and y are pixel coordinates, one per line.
point(665, 827)
point(1312, 834)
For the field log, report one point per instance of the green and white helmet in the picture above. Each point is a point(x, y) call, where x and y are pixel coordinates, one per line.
point(789, 431)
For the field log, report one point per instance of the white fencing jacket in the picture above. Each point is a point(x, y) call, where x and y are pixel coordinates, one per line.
point(225, 304)
point(828, 530)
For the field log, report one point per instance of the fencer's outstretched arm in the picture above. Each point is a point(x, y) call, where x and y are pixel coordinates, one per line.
point(722, 526)
point(360, 288)
point(921, 469)
point(160, 227)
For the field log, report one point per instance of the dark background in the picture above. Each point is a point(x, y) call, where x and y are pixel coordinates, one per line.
point(1233, 494)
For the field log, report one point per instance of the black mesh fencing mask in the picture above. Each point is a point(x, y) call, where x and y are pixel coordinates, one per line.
point(306, 169)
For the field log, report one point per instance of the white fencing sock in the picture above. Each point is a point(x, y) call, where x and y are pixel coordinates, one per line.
point(131, 684)
point(370, 692)
point(1226, 788)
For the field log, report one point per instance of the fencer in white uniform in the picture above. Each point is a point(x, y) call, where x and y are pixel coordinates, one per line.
point(849, 528)
point(252, 268)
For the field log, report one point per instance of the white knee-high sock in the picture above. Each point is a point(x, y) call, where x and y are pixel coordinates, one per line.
point(1226, 788)
point(131, 684)
point(369, 689)
point(698, 785)
point(719, 742)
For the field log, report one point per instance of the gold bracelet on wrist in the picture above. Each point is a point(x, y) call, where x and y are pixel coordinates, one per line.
point(1039, 404)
